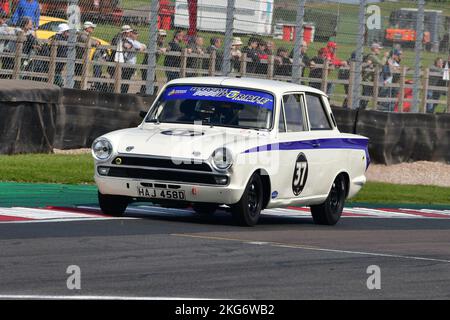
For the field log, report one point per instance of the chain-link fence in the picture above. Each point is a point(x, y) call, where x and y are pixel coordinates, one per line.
point(383, 55)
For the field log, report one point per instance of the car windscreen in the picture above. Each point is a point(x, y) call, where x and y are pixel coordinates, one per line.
point(50, 26)
point(215, 106)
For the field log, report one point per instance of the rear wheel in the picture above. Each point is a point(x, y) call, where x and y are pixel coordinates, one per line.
point(113, 205)
point(329, 212)
point(204, 208)
point(247, 211)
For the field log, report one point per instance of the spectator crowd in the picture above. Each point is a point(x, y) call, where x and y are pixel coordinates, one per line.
point(262, 57)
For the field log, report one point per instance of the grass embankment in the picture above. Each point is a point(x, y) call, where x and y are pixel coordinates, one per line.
point(78, 169)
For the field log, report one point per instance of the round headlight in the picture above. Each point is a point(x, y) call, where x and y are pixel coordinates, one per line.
point(101, 149)
point(222, 158)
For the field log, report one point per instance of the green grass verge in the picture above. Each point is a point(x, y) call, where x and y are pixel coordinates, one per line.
point(48, 168)
point(376, 192)
point(78, 169)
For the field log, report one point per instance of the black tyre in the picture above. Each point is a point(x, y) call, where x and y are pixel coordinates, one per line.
point(204, 208)
point(247, 211)
point(329, 212)
point(113, 205)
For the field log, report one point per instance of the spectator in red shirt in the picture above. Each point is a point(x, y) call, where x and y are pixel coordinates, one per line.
point(333, 60)
point(4, 5)
point(261, 67)
point(408, 94)
point(330, 51)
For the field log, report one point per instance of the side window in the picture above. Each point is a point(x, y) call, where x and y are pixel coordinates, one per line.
point(316, 112)
point(293, 113)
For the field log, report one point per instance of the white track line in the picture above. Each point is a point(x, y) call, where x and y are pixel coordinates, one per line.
point(302, 247)
point(68, 220)
point(62, 297)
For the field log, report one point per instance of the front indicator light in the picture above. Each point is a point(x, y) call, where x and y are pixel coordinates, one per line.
point(221, 180)
point(103, 171)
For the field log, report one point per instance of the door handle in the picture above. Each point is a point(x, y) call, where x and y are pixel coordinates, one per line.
point(316, 144)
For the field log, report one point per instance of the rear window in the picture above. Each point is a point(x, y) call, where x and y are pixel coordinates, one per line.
point(316, 111)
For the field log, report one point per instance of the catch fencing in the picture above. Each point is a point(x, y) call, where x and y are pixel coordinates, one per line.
point(388, 56)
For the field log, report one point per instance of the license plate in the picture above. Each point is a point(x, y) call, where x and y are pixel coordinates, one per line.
point(161, 194)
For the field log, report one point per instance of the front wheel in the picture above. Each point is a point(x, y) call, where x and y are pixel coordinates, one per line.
point(329, 212)
point(247, 211)
point(112, 205)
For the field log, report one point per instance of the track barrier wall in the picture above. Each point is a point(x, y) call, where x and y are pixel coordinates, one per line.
point(86, 115)
point(27, 116)
point(38, 117)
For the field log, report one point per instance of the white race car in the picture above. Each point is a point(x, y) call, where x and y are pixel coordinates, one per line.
point(245, 144)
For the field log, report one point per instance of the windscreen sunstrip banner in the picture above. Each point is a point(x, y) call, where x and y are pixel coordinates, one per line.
point(232, 95)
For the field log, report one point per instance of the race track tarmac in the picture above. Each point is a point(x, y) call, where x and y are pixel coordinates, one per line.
point(155, 252)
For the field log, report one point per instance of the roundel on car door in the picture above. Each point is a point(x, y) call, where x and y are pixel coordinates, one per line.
point(300, 174)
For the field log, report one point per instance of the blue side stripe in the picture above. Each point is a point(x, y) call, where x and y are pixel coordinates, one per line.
point(331, 143)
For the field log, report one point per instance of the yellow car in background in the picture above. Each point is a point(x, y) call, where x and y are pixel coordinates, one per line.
point(49, 25)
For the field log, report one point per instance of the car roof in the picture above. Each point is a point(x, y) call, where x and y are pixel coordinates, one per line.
point(47, 19)
point(274, 86)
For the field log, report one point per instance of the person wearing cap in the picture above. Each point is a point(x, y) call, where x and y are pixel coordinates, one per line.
point(334, 61)
point(390, 74)
point(330, 51)
point(236, 53)
point(86, 33)
point(83, 37)
point(132, 46)
point(62, 34)
point(27, 8)
point(126, 47)
point(372, 60)
point(118, 54)
point(118, 41)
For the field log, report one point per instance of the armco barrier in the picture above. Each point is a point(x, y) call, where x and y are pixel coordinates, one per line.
point(86, 115)
point(400, 137)
point(27, 116)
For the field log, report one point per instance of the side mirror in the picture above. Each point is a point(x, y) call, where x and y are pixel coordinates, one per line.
point(142, 114)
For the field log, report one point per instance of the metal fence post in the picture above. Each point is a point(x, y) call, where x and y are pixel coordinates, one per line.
point(73, 17)
point(18, 55)
point(296, 63)
point(152, 48)
point(448, 96)
point(425, 84)
point(226, 63)
point(418, 53)
point(359, 56)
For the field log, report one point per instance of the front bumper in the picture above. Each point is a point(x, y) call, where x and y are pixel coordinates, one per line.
point(193, 192)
